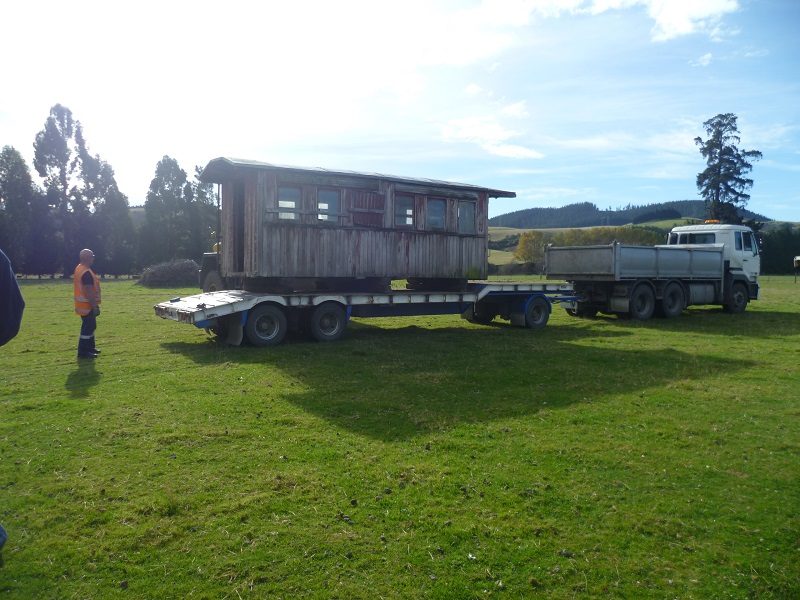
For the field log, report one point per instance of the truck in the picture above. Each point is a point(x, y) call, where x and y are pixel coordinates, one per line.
point(703, 264)
point(306, 249)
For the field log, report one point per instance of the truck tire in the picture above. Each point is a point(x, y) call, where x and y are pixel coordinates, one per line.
point(328, 322)
point(537, 313)
point(642, 302)
point(212, 282)
point(673, 301)
point(738, 299)
point(266, 325)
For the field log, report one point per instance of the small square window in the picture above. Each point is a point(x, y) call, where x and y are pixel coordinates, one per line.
point(403, 211)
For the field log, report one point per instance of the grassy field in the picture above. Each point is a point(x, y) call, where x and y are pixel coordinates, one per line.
point(500, 257)
point(416, 458)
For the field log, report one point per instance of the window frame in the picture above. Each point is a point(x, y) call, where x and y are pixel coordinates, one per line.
point(284, 210)
point(460, 220)
point(333, 214)
point(406, 215)
point(428, 203)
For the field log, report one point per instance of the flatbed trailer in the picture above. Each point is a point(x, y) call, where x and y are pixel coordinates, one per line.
point(265, 318)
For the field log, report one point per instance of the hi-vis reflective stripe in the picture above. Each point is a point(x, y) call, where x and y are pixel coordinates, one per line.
point(87, 337)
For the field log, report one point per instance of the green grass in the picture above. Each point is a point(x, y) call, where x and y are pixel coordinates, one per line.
point(500, 257)
point(416, 458)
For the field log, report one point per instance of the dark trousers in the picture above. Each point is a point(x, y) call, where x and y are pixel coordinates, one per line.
point(86, 341)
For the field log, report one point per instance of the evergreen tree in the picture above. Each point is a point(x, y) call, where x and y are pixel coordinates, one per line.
point(723, 183)
point(16, 194)
point(78, 185)
point(164, 234)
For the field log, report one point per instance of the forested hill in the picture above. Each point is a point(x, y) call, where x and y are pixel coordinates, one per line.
point(587, 214)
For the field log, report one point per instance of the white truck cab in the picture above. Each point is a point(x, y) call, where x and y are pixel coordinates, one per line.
point(740, 244)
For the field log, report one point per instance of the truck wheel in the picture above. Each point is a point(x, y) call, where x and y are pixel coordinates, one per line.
point(673, 301)
point(328, 322)
point(212, 282)
point(642, 302)
point(737, 301)
point(537, 313)
point(266, 325)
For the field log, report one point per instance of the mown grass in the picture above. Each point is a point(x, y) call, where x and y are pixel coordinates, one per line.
point(501, 257)
point(424, 458)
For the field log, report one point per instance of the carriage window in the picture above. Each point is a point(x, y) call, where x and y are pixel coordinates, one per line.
point(403, 211)
point(437, 208)
point(328, 205)
point(466, 217)
point(288, 203)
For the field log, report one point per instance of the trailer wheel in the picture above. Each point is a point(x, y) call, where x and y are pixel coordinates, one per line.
point(673, 301)
point(266, 325)
point(537, 313)
point(212, 282)
point(642, 302)
point(328, 322)
point(737, 301)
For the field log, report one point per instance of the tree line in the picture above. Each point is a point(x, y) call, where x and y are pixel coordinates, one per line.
point(79, 205)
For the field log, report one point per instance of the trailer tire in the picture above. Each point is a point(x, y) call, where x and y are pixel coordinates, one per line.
point(673, 301)
point(642, 302)
point(212, 282)
point(738, 299)
point(266, 325)
point(537, 313)
point(328, 322)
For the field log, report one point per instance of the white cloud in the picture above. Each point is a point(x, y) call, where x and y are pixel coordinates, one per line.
point(490, 135)
point(703, 61)
point(674, 18)
point(512, 151)
point(473, 89)
point(517, 110)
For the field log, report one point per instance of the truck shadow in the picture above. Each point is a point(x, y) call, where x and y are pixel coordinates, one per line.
point(715, 321)
point(397, 384)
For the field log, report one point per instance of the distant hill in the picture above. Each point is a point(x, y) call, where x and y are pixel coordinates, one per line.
point(587, 214)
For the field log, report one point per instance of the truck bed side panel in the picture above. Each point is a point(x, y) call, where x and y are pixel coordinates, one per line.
point(617, 262)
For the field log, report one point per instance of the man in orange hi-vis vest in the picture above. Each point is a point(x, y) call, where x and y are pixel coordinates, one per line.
point(86, 288)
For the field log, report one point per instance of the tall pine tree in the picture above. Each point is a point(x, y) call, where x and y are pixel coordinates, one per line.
point(723, 183)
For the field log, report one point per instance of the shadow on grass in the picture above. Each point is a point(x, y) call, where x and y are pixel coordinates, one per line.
point(398, 383)
point(715, 321)
point(82, 379)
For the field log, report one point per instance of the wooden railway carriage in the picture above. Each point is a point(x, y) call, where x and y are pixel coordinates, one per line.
point(292, 229)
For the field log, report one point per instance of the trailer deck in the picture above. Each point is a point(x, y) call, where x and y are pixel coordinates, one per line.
point(524, 304)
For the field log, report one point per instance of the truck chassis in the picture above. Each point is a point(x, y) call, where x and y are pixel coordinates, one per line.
point(265, 319)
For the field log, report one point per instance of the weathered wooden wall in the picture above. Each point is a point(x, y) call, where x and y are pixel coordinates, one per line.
point(364, 243)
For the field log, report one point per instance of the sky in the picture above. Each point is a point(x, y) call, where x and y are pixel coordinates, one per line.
point(560, 101)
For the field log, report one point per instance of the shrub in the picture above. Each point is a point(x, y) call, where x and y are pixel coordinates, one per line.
point(176, 273)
